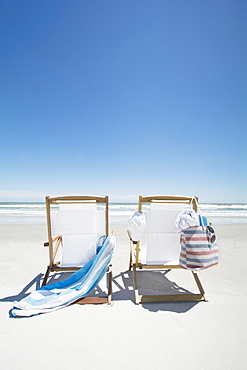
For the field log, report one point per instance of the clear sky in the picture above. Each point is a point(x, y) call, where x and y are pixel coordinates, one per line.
point(123, 98)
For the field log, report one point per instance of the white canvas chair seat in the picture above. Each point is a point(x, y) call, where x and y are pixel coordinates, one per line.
point(77, 250)
point(161, 248)
point(79, 226)
point(160, 253)
point(163, 241)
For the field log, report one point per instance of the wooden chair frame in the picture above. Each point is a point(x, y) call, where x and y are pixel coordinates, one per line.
point(53, 249)
point(135, 263)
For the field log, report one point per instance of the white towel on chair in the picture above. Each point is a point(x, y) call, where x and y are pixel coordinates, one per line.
point(136, 225)
point(186, 219)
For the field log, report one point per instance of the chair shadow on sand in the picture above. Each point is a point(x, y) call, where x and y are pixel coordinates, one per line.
point(37, 281)
point(36, 284)
point(155, 280)
point(122, 289)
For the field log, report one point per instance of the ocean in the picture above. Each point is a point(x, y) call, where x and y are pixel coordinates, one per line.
point(35, 213)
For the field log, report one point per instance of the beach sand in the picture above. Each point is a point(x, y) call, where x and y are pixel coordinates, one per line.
point(205, 335)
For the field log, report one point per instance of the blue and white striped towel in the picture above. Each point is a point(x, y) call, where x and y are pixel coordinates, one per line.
point(55, 296)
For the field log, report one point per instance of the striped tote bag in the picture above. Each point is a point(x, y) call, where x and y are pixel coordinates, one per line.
point(198, 248)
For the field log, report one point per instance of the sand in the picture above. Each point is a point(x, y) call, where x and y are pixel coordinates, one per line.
point(205, 335)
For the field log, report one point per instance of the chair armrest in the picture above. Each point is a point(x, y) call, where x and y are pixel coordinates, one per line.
point(129, 233)
point(46, 244)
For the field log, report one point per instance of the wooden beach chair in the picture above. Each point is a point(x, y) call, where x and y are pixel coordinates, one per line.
point(74, 224)
point(162, 246)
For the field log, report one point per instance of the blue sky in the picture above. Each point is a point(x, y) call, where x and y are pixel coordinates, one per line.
point(123, 98)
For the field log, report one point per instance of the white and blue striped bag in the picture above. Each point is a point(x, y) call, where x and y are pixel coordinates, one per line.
point(198, 248)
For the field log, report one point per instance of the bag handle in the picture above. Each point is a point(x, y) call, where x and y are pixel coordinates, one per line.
point(193, 199)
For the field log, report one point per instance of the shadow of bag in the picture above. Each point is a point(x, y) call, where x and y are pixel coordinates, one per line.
point(198, 248)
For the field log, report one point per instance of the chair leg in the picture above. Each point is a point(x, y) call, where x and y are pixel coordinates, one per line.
point(198, 282)
point(130, 262)
point(99, 300)
point(109, 277)
point(46, 275)
point(137, 298)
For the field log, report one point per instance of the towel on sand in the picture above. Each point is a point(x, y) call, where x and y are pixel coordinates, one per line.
point(81, 283)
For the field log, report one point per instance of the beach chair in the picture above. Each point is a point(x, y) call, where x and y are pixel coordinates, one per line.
point(161, 248)
point(74, 223)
